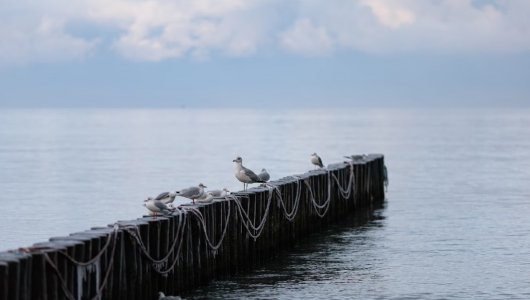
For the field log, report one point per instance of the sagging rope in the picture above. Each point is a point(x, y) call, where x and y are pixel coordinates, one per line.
point(136, 236)
point(201, 220)
point(179, 234)
point(253, 229)
point(68, 294)
point(345, 192)
point(290, 216)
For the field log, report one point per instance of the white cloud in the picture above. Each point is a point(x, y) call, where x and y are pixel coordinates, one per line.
point(44, 41)
point(306, 37)
point(389, 14)
point(155, 30)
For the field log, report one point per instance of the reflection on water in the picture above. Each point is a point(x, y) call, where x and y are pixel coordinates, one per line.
point(456, 225)
point(316, 265)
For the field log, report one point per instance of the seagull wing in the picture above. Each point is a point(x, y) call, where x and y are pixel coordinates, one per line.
point(252, 175)
point(162, 196)
point(190, 192)
point(161, 205)
point(320, 164)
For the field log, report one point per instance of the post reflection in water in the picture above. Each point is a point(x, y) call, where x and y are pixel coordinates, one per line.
point(328, 262)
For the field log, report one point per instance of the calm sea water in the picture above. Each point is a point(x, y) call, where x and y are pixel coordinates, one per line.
point(456, 224)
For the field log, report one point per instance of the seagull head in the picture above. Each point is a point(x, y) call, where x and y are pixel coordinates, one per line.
point(226, 190)
point(238, 160)
point(202, 185)
point(263, 170)
point(314, 154)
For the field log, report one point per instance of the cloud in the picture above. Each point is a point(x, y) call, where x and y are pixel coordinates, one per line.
point(390, 15)
point(420, 26)
point(155, 30)
point(306, 37)
point(43, 41)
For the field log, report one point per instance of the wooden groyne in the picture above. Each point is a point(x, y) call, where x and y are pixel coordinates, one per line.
point(136, 259)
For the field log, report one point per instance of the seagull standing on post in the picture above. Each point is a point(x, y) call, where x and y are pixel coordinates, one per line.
point(156, 206)
point(316, 160)
point(219, 193)
point(264, 175)
point(193, 193)
point(245, 175)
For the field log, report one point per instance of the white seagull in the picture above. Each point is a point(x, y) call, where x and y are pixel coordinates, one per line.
point(264, 175)
point(219, 193)
point(206, 198)
point(156, 206)
point(316, 160)
point(245, 175)
point(193, 193)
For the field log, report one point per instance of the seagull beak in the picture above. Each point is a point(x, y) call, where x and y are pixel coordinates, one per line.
point(234, 160)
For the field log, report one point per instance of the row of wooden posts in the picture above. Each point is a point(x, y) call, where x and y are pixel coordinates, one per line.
point(136, 259)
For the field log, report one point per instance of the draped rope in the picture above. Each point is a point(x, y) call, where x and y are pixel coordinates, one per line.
point(112, 236)
point(134, 233)
point(202, 222)
point(253, 228)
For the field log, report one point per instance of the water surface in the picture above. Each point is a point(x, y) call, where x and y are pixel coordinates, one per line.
point(456, 224)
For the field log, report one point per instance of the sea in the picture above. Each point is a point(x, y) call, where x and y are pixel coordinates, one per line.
point(455, 223)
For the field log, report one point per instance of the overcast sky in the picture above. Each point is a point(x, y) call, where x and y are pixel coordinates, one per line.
point(159, 53)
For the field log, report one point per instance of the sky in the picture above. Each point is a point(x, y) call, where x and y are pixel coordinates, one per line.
point(264, 53)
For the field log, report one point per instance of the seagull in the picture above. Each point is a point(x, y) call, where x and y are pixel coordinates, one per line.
point(161, 296)
point(264, 175)
point(316, 160)
point(167, 197)
point(219, 193)
point(206, 198)
point(194, 192)
point(156, 206)
point(245, 175)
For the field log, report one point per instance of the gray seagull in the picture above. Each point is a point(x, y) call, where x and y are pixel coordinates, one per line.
point(316, 160)
point(219, 193)
point(264, 175)
point(245, 175)
point(156, 206)
point(193, 193)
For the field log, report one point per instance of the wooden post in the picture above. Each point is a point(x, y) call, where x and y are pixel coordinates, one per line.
point(133, 276)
